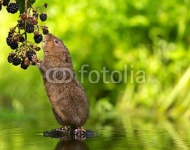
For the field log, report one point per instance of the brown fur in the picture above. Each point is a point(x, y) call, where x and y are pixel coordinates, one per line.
point(69, 101)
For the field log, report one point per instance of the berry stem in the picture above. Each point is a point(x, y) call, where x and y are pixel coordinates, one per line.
point(25, 7)
point(25, 34)
point(25, 22)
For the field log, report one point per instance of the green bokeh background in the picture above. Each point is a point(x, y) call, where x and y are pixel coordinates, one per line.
point(147, 35)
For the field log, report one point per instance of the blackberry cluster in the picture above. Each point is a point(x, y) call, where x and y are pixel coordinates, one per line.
point(16, 60)
point(24, 60)
point(30, 54)
point(27, 25)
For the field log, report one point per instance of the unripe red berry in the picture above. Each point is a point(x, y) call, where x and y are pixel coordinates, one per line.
point(35, 22)
point(23, 16)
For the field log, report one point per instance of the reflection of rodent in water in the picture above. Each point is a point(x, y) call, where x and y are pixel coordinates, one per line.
point(71, 145)
point(68, 99)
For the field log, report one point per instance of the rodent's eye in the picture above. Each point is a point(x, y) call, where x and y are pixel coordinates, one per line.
point(56, 41)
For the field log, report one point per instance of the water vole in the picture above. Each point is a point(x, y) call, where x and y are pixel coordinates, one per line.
point(68, 99)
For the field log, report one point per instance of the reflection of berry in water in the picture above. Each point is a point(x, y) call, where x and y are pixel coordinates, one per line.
point(6, 2)
point(29, 28)
point(16, 61)
point(38, 38)
point(30, 54)
point(43, 17)
point(12, 8)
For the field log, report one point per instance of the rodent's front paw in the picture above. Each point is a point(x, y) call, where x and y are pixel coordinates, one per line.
point(35, 60)
point(38, 64)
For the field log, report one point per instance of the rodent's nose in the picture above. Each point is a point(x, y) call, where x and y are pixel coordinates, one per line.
point(48, 37)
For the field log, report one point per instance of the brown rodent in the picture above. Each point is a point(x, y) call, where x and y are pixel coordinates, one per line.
point(67, 96)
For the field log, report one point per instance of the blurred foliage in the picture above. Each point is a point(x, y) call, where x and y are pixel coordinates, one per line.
point(152, 36)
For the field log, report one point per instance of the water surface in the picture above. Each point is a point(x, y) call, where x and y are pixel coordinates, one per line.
point(128, 133)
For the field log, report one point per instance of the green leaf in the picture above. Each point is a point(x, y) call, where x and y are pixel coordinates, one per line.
point(21, 4)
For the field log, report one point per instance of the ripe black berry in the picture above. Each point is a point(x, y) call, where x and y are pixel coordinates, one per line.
point(24, 64)
point(38, 38)
point(21, 24)
point(12, 8)
point(10, 34)
point(21, 39)
point(14, 45)
point(0, 5)
point(16, 61)
point(43, 17)
point(29, 28)
point(45, 31)
point(9, 41)
point(10, 58)
point(30, 54)
point(6, 2)
point(45, 5)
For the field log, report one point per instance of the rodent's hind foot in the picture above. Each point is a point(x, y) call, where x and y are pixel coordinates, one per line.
point(80, 131)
